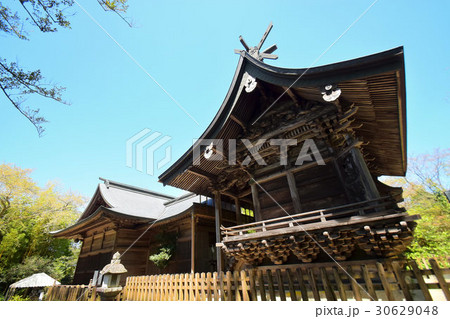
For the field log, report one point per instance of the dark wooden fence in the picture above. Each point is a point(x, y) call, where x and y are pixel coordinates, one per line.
point(352, 280)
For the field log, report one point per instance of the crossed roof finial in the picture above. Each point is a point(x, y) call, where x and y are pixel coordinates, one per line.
point(255, 51)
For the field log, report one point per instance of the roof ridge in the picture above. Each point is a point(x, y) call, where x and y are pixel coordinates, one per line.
point(128, 187)
point(179, 198)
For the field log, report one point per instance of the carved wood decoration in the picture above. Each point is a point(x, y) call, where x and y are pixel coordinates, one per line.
point(351, 177)
point(326, 123)
point(388, 240)
point(378, 240)
point(255, 51)
point(377, 228)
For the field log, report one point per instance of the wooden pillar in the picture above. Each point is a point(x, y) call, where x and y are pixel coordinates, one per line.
point(237, 205)
point(366, 177)
point(341, 179)
point(218, 220)
point(193, 232)
point(294, 192)
point(256, 204)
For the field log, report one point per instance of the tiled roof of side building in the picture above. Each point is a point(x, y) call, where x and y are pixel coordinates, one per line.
point(133, 201)
point(127, 201)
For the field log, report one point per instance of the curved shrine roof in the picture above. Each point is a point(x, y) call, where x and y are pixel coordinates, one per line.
point(128, 202)
point(375, 83)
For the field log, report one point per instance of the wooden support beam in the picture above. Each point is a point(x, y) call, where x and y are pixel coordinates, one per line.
point(419, 277)
point(366, 177)
point(341, 179)
point(440, 277)
point(294, 192)
point(245, 193)
point(256, 203)
point(238, 121)
point(233, 195)
point(354, 284)
point(201, 173)
point(218, 222)
point(385, 282)
point(264, 179)
point(292, 96)
point(193, 232)
point(401, 280)
point(369, 285)
point(237, 204)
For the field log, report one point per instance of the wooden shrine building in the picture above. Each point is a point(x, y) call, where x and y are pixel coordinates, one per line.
point(323, 204)
point(119, 216)
point(301, 148)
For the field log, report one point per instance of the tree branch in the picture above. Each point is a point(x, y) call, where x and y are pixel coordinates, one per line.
point(31, 16)
point(52, 94)
point(12, 27)
point(109, 7)
point(36, 121)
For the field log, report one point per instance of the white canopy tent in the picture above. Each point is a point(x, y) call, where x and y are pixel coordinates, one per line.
point(34, 281)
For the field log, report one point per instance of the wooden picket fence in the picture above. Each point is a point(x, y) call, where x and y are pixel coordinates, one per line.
point(377, 280)
point(71, 293)
point(352, 280)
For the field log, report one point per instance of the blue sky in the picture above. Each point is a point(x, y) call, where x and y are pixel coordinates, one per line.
point(187, 46)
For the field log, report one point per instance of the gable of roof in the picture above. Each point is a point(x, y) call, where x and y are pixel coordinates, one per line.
point(126, 199)
point(125, 202)
point(375, 82)
point(36, 280)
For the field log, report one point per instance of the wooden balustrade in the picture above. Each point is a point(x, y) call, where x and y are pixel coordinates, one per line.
point(375, 207)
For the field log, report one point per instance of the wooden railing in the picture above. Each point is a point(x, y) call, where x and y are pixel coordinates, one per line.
point(375, 207)
point(351, 280)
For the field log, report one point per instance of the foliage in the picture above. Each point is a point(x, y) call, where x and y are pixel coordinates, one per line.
point(19, 298)
point(28, 213)
point(166, 249)
point(47, 16)
point(18, 83)
point(427, 179)
point(161, 259)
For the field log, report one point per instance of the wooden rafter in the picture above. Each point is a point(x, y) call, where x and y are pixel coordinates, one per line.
point(238, 121)
point(199, 172)
point(292, 95)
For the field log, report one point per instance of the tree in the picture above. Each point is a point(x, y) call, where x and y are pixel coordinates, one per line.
point(167, 244)
point(427, 179)
point(28, 214)
point(47, 15)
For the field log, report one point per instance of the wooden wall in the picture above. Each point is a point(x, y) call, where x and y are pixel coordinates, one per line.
point(135, 258)
point(318, 187)
point(181, 261)
point(99, 245)
point(279, 193)
point(205, 256)
point(86, 266)
point(205, 241)
point(96, 251)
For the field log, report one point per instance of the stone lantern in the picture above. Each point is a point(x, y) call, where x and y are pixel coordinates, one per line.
point(111, 279)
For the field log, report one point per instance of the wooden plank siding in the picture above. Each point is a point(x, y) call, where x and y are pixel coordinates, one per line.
point(102, 241)
point(316, 187)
